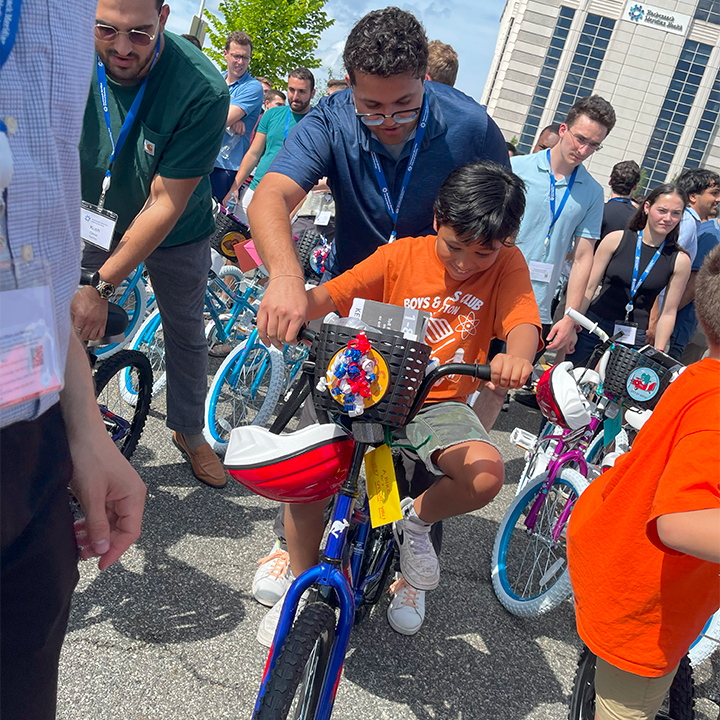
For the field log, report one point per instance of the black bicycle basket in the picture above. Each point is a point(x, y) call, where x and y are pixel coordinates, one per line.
point(226, 225)
point(406, 360)
point(638, 378)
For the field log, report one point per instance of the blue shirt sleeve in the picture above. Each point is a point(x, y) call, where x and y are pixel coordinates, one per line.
point(591, 224)
point(248, 96)
point(306, 155)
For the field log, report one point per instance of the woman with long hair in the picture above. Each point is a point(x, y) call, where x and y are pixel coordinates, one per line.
point(632, 267)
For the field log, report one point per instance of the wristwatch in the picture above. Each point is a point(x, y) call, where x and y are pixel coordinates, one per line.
point(105, 289)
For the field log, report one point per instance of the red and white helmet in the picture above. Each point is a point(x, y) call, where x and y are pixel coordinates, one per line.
point(560, 399)
point(306, 465)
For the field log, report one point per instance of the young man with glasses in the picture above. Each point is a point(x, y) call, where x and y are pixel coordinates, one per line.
point(386, 144)
point(564, 205)
point(246, 105)
point(160, 107)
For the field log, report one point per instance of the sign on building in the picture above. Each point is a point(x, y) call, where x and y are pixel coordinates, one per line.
point(649, 16)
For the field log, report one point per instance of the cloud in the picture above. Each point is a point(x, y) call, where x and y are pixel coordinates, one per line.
point(471, 28)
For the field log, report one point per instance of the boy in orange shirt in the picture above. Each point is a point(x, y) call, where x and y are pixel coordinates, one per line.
point(476, 284)
point(644, 539)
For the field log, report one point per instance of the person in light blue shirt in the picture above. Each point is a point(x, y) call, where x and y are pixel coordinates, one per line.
point(246, 99)
point(564, 204)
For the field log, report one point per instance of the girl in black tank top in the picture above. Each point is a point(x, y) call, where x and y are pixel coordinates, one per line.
point(657, 224)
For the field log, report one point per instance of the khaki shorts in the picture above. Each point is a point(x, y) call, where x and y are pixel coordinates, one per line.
point(440, 426)
point(622, 695)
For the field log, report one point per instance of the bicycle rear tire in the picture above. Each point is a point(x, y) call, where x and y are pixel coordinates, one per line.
point(528, 590)
point(679, 704)
point(134, 305)
point(300, 667)
point(125, 366)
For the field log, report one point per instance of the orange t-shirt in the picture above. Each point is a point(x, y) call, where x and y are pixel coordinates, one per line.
point(639, 604)
point(467, 314)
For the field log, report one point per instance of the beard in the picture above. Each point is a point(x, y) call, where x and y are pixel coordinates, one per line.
point(126, 75)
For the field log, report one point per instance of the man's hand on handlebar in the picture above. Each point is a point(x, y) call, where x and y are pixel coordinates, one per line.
point(509, 371)
point(283, 310)
point(89, 313)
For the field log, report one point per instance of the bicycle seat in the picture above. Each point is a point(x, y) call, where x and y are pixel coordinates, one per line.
point(560, 399)
point(117, 324)
point(637, 418)
point(302, 466)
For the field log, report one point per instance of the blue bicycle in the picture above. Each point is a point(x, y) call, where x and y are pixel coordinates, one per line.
point(306, 659)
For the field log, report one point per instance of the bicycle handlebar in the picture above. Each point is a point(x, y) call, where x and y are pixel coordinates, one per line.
point(588, 324)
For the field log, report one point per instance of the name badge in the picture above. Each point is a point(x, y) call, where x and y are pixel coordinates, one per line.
point(97, 226)
point(540, 271)
point(628, 330)
point(322, 218)
point(29, 358)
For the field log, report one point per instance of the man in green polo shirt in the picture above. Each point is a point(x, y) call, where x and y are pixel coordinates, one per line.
point(273, 128)
point(163, 148)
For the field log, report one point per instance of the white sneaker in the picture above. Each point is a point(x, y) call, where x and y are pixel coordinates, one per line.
point(273, 577)
point(268, 625)
point(418, 561)
point(406, 612)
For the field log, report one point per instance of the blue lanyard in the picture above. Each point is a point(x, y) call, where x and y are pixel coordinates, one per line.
point(129, 119)
point(394, 210)
point(622, 200)
point(556, 214)
point(287, 124)
point(635, 284)
point(9, 21)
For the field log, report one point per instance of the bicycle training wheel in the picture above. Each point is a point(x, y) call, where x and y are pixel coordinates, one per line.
point(293, 687)
point(124, 421)
point(529, 564)
point(150, 341)
point(244, 391)
point(678, 705)
point(132, 301)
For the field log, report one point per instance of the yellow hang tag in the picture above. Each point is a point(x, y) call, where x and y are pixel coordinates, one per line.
point(382, 487)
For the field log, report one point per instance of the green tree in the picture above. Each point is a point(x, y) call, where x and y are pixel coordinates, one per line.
point(285, 33)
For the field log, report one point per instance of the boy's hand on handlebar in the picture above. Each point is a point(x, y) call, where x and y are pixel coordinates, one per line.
point(509, 371)
point(283, 310)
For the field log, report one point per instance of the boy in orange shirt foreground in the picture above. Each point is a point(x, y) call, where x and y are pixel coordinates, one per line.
point(644, 539)
point(476, 285)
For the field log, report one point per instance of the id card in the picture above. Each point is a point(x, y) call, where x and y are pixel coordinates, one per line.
point(29, 362)
point(628, 330)
point(540, 271)
point(322, 218)
point(97, 226)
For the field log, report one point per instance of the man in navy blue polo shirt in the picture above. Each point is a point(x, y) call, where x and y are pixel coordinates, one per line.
point(363, 139)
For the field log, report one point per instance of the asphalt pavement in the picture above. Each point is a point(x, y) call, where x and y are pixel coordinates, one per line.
point(168, 632)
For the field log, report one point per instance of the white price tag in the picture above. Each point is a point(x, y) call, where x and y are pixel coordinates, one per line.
point(322, 218)
point(97, 226)
point(540, 272)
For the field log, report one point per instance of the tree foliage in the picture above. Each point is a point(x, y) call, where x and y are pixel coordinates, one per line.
point(285, 34)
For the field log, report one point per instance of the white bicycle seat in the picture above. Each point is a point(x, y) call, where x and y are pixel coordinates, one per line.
point(637, 418)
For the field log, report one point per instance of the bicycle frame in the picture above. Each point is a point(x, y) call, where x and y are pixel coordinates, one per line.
point(241, 303)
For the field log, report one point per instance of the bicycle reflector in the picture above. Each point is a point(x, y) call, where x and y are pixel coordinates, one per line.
point(560, 398)
point(302, 466)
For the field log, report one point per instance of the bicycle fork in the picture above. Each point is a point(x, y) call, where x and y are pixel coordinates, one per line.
point(328, 573)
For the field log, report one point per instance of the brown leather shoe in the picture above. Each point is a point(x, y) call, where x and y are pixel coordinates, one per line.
point(205, 464)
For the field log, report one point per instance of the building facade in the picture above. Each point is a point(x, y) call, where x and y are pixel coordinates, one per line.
point(659, 67)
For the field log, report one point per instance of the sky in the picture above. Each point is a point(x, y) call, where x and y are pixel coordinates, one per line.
point(469, 26)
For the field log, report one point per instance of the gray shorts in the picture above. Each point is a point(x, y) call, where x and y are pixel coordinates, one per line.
point(440, 426)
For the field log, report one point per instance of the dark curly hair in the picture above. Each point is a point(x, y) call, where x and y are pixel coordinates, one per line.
point(595, 108)
point(624, 177)
point(386, 42)
point(481, 202)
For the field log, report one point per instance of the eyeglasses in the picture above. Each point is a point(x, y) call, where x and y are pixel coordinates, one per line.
point(241, 58)
point(580, 141)
point(107, 33)
point(401, 117)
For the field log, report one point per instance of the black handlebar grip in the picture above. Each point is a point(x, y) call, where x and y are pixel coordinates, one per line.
point(88, 277)
point(305, 334)
point(483, 372)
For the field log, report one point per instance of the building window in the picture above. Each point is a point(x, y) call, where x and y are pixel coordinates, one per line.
point(706, 127)
point(674, 111)
point(586, 63)
point(502, 55)
point(545, 81)
point(708, 10)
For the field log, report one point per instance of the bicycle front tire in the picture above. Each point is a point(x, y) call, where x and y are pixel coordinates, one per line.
point(529, 568)
point(678, 705)
point(293, 688)
point(243, 394)
point(150, 341)
point(124, 421)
